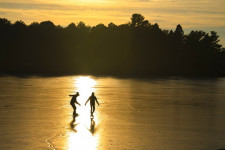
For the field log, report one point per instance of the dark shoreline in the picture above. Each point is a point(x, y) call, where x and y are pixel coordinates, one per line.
point(137, 49)
point(46, 75)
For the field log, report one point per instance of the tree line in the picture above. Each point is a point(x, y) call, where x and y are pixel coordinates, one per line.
point(136, 48)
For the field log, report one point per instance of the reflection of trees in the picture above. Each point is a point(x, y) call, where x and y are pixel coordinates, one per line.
point(135, 48)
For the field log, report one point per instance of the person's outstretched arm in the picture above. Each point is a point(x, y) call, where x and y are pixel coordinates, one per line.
point(77, 103)
point(96, 101)
point(87, 101)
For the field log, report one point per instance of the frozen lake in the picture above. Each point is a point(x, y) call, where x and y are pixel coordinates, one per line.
point(144, 114)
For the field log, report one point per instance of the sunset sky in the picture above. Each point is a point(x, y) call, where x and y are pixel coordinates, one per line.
point(204, 15)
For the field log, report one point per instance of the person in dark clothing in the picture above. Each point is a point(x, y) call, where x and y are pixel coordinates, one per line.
point(73, 101)
point(92, 99)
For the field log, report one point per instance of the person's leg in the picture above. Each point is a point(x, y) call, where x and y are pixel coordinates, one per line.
point(74, 109)
point(91, 110)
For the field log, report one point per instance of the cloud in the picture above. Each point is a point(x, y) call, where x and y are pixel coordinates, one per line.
point(31, 6)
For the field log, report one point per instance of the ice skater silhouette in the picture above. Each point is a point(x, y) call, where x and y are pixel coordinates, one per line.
point(92, 99)
point(73, 101)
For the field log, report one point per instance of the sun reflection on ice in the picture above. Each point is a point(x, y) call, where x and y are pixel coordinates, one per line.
point(82, 139)
point(82, 134)
point(85, 86)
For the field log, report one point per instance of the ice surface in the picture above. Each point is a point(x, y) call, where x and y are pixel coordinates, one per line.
point(143, 114)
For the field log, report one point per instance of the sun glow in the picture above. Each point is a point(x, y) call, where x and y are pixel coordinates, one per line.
point(83, 128)
point(85, 85)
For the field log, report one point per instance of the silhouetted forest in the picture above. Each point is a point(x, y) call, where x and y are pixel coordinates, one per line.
point(137, 48)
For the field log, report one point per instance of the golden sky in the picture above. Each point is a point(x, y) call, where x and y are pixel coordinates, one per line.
point(191, 14)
